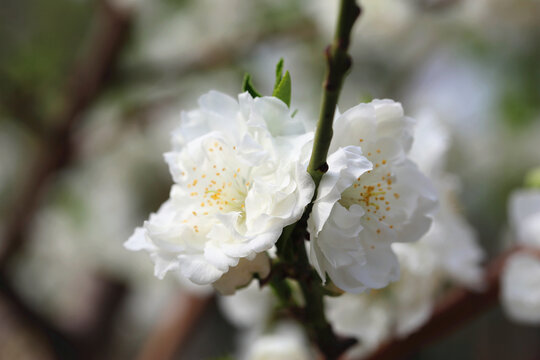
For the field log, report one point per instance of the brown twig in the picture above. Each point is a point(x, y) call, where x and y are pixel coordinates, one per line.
point(172, 331)
point(92, 337)
point(86, 339)
point(455, 309)
point(60, 343)
point(84, 86)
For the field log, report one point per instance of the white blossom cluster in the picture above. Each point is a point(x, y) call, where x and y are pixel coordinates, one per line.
point(239, 168)
point(521, 275)
point(447, 254)
point(250, 311)
point(372, 196)
point(239, 171)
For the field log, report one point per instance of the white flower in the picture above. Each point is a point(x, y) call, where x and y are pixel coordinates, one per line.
point(240, 178)
point(398, 309)
point(521, 275)
point(451, 239)
point(242, 273)
point(524, 214)
point(521, 288)
point(367, 317)
point(372, 196)
point(249, 307)
point(286, 341)
point(447, 253)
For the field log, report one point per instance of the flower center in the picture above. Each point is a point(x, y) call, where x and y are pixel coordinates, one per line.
point(218, 185)
point(374, 192)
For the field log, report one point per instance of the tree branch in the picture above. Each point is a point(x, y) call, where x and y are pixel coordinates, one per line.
point(338, 65)
point(81, 341)
point(455, 309)
point(88, 79)
point(60, 342)
point(291, 248)
point(84, 86)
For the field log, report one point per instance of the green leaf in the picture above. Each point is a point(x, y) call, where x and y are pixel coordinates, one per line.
point(282, 90)
point(248, 86)
point(279, 72)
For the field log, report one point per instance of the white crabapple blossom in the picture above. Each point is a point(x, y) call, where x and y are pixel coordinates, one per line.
point(447, 254)
point(239, 171)
point(285, 341)
point(521, 288)
point(521, 275)
point(398, 309)
point(371, 197)
point(524, 214)
point(451, 239)
point(248, 308)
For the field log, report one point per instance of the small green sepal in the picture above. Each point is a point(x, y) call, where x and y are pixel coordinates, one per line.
point(248, 86)
point(279, 72)
point(282, 90)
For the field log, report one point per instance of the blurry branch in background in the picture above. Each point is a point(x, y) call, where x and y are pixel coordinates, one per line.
point(85, 84)
point(174, 328)
point(83, 340)
point(93, 333)
point(218, 54)
point(58, 147)
point(457, 307)
point(21, 104)
point(59, 342)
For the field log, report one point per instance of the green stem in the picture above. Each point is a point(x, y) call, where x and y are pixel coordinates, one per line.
point(317, 326)
point(291, 248)
point(338, 65)
point(311, 316)
point(278, 282)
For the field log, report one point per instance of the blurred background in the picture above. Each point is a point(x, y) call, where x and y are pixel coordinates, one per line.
point(90, 90)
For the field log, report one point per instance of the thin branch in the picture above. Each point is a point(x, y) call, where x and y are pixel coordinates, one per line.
point(60, 342)
point(85, 84)
point(338, 65)
point(291, 248)
point(458, 307)
point(81, 341)
point(93, 336)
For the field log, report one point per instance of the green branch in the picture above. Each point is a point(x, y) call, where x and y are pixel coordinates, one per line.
point(338, 65)
point(291, 247)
